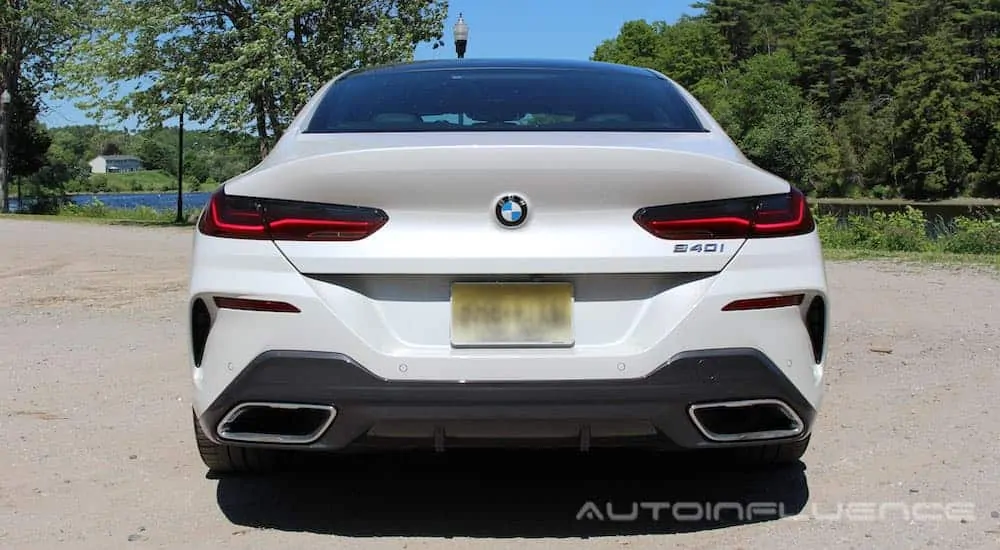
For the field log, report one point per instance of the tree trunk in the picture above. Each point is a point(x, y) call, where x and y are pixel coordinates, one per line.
point(277, 129)
point(261, 116)
point(9, 76)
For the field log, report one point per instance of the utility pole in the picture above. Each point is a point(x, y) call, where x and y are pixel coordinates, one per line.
point(180, 169)
point(5, 152)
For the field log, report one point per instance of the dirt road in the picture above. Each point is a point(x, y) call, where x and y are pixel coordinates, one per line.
point(96, 448)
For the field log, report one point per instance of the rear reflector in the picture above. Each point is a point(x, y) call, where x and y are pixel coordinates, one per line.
point(247, 304)
point(749, 217)
point(765, 303)
point(252, 218)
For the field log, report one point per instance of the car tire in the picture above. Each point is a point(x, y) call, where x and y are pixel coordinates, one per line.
point(229, 459)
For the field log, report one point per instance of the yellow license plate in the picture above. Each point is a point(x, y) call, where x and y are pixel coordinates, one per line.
point(512, 314)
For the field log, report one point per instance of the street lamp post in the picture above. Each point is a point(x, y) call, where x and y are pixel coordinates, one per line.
point(180, 168)
point(461, 31)
point(4, 153)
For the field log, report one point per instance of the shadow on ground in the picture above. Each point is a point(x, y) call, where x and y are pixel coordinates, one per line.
point(511, 494)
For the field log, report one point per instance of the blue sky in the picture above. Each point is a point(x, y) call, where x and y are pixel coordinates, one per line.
point(562, 29)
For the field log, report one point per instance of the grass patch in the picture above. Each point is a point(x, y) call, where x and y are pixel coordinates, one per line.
point(141, 215)
point(143, 181)
point(944, 258)
point(53, 218)
point(963, 201)
point(98, 212)
point(111, 220)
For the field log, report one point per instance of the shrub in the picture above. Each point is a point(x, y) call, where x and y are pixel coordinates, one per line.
point(973, 236)
point(141, 213)
point(907, 231)
point(45, 205)
point(904, 231)
point(77, 185)
point(96, 209)
point(833, 232)
point(92, 209)
point(99, 183)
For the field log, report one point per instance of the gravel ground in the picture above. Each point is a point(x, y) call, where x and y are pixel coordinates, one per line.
point(96, 449)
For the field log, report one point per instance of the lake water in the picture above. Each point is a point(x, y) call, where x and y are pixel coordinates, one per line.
point(156, 201)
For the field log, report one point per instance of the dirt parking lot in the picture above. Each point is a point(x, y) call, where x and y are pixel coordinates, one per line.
point(96, 449)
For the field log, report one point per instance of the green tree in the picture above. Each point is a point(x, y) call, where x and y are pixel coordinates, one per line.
point(734, 21)
point(887, 98)
point(863, 137)
point(987, 178)
point(29, 142)
point(638, 43)
point(777, 128)
point(111, 148)
point(33, 34)
point(932, 156)
point(691, 52)
point(819, 51)
point(244, 66)
point(981, 22)
point(155, 155)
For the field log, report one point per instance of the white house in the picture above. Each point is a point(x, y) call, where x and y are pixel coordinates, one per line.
point(115, 164)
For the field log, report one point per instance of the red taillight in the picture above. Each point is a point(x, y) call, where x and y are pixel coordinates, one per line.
point(768, 216)
point(247, 304)
point(233, 217)
point(251, 218)
point(765, 303)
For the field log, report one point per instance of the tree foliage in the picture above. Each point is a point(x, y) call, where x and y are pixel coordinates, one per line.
point(880, 98)
point(111, 148)
point(29, 142)
point(243, 65)
point(34, 35)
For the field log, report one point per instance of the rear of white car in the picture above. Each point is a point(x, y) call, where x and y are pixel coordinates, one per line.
point(433, 271)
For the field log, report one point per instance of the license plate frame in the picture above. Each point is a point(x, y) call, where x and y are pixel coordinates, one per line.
point(466, 296)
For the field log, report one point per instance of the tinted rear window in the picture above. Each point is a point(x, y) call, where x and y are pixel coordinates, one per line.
point(516, 99)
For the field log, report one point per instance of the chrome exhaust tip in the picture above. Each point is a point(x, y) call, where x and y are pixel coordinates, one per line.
point(280, 423)
point(748, 420)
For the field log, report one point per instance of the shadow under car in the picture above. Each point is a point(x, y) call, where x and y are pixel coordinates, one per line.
point(486, 493)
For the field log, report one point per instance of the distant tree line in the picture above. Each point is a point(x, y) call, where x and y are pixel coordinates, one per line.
point(47, 163)
point(209, 155)
point(863, 98)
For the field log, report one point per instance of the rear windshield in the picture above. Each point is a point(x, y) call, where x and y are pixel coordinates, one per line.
point(514, 99)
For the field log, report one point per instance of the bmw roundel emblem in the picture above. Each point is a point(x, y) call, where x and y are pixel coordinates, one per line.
point(512, 211)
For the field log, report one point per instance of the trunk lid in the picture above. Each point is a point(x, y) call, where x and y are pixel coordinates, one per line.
point(440, 199)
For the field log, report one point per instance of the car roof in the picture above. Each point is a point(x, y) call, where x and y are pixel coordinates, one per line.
point(511, 63)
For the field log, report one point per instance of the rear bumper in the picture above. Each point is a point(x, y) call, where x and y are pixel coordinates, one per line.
point(372, 411)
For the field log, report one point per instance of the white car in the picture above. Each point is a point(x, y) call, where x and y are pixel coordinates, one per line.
point(460, 253)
